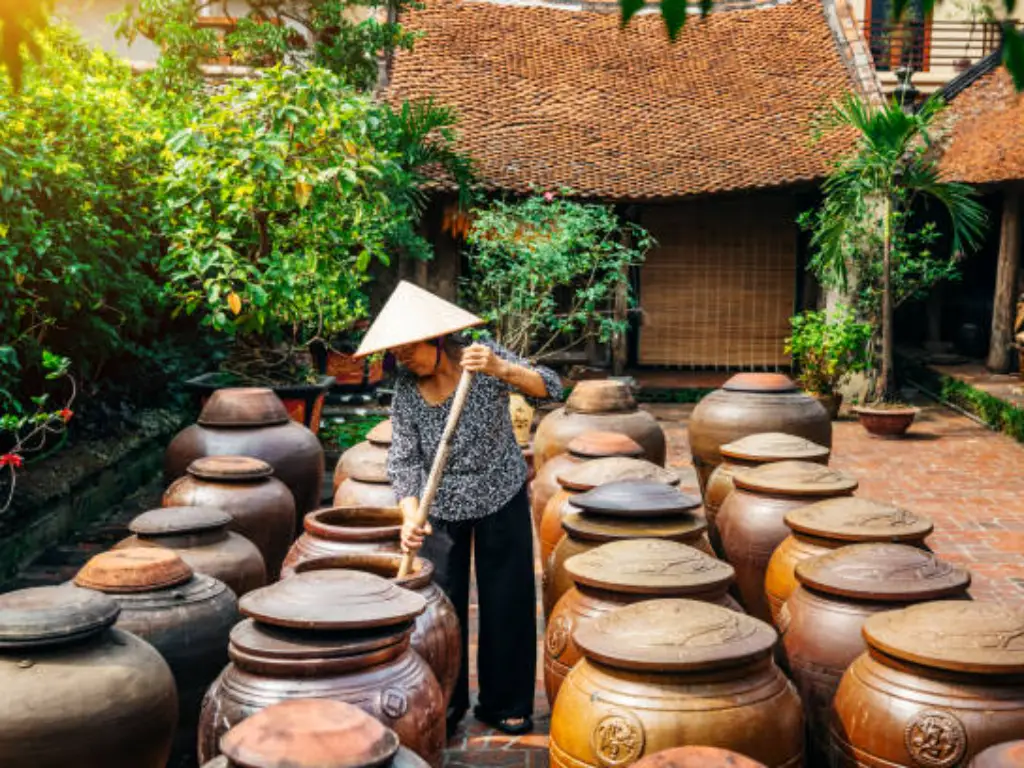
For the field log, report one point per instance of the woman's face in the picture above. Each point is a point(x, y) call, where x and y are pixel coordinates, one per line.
point(419, 358)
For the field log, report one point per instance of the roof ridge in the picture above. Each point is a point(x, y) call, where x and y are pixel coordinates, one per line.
point(611, 6)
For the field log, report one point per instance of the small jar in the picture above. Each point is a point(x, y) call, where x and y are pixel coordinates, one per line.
point(346, 530)
point(378, 440)
point(363, 472)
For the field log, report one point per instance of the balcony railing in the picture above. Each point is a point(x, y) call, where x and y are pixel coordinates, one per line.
point(930, 45)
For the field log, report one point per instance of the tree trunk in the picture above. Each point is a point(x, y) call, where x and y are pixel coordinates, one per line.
point(619, 344)
point(886, 387)
point(999, 350)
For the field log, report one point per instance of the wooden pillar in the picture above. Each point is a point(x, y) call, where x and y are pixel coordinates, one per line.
point(1000, 351)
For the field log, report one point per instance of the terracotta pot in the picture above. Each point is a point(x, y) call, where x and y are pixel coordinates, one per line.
point(886, 422)
point(344, 531)
point(940, 683)
point(373, 450)
point(745, 453)
point(598, 406)
point(253, 422)
point(749, 404)
point(1008, 755)
point(200, 536)
point(820, 528)
point(823, 619)
point(672, 673)
point(622, 573)
point(751, 521)
point(261, 507)
point(341, 635)
point(65, 670)
point(436, 635)
point(361, 477)
point(697, 757)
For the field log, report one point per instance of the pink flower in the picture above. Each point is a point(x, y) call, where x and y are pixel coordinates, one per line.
point(66, 414)
point(12, 460)
point(549, 196)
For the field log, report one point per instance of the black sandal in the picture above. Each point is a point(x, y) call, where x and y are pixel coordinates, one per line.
point(511, 726)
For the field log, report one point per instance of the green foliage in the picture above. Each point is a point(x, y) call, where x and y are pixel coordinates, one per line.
point(342, 435)
point(990, 409)
point(828, 346)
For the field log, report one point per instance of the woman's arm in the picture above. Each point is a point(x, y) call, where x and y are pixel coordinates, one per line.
point(537, 383)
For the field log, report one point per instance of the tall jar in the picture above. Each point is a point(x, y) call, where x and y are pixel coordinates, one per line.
point(940, 683)
point(261, 507)
point(622, 573)
point(77, 691)
point(377, 442)
point(749, 404)
point(672, 673)
point(366, 483)
point(822, 621)
point(341, 635)
point(200, 537)
point(252, 422)
point(346, 530)
point(602, 406)
point(752, 524)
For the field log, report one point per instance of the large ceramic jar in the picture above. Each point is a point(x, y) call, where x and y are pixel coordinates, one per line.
point(753, 451)
point(366, 482)
point(820, 528)
point(622, 573)
point(261, 507)
point(1008, 755)
point(200, 536)
point(940, 683)
point(377, 442)
point(253, 422)
point(346, 530)
point(673, 673)
point(822, 621)
point(341, 635)
point(748, 404)
point(186, 617)
point(598, 406)
point(697, 757)
point(752, 524)
point(76, 690)
point(436, 635)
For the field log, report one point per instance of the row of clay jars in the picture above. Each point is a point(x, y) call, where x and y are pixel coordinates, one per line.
point(622, 573)
point(361, 476)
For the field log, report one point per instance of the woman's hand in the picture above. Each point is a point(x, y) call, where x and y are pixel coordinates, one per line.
point(412, 534)
point(480, 359)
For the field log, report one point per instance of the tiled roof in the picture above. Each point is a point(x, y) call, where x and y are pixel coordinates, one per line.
point(550, 97)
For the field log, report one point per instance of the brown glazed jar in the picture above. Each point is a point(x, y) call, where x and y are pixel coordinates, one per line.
point(753, 451)
point(940, 683)
point(346, 530)
point(751, 521)
point(1008, 755)
point(673, 673)
point(598, 406)
point(697, 757)
point(252, 422)
point(77, 691)
point(822, 621)
point(365, 469)
point(261, 507)
point(436, 635)
point(341, 635)
point(749, 404)
point(820, 528)
point(378, 440)
point(622, 573)
point(200, 537)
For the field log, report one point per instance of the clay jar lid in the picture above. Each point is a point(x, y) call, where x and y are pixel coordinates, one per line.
point(332, 600)
point(590, 474)
point(684, 527)
point(133, 569)
point(760, 382)
point(635, 498)
point(1007, 755)
point(600, 396)
point(230, 469)
point(602, 445)
point(381, 434)
point(367, 463)
point(309, 733)
point(674, 635)
point(649, 567)
point(850, 518)
point(956, 635)
point(168, 521)
point(795, 478)
point(883, 572)
point(773, 446)
point(697, 757)
point(243, 407)
point(53, 615)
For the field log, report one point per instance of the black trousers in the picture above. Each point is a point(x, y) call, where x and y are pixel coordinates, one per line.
point(502, 544)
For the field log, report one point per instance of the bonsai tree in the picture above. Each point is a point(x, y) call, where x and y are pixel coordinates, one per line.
point(827, 346)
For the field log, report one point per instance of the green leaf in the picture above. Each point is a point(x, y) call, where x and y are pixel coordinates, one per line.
point(629, 9)
point(674, 14)
point(1013, 54)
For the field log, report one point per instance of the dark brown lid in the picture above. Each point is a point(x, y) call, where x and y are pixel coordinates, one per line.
point(795, 478)
point(635, 498)
point(773, 446)
point(852, 518)
point(674, 635)
point(381, 434)
point(53, 615)
point(883, 572)
point(310, 733)
point(1007, 755)
point(367, 463)
point(602, 445)
point(590, 474)
point(332, 600)
point(760, 382)
point(228, 469)
point(255, 640)
point(601, 396)
point(684, 527)
point(134, 569)
point(243, 407)
point(697, 757)
point(956, 635)
point(649, 567)
point(166, 521)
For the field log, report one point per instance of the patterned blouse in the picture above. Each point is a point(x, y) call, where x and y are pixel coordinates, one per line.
point(485, 466)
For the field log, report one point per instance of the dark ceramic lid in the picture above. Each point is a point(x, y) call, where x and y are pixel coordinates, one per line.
point(134, 569)
point(795, 478)
point(697, 757)
point(602, 445)
point(760, 382)
point(332, 600)
point(367, 463)
point(383, 564)
point(851, 518)
point(167, 521)
point(230, 468)
point(649, 567)
point(381, 434)
point(1007, 755)
point(635, 498)
point(590, 474)
point(674, 635)
point(956, 635)
point(309, 733)
point(601, 396)
point(773, 446)
point(53, 615)
point(243, 407)
point(685, 527)
point(883, 572)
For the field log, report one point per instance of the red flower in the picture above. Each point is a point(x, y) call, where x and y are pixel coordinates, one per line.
point(66, 414)
point(11, 460)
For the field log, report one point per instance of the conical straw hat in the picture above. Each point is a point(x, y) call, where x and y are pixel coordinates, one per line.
point(413, 314)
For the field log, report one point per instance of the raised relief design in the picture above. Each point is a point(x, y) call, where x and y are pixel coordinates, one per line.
point(393, 703)
point(935, 739)
point(559, 632)
point(618, 739)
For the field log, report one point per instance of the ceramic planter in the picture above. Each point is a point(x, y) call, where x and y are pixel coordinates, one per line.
point(886, 422)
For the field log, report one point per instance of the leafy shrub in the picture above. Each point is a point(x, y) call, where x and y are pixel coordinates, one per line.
point(827, 346)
